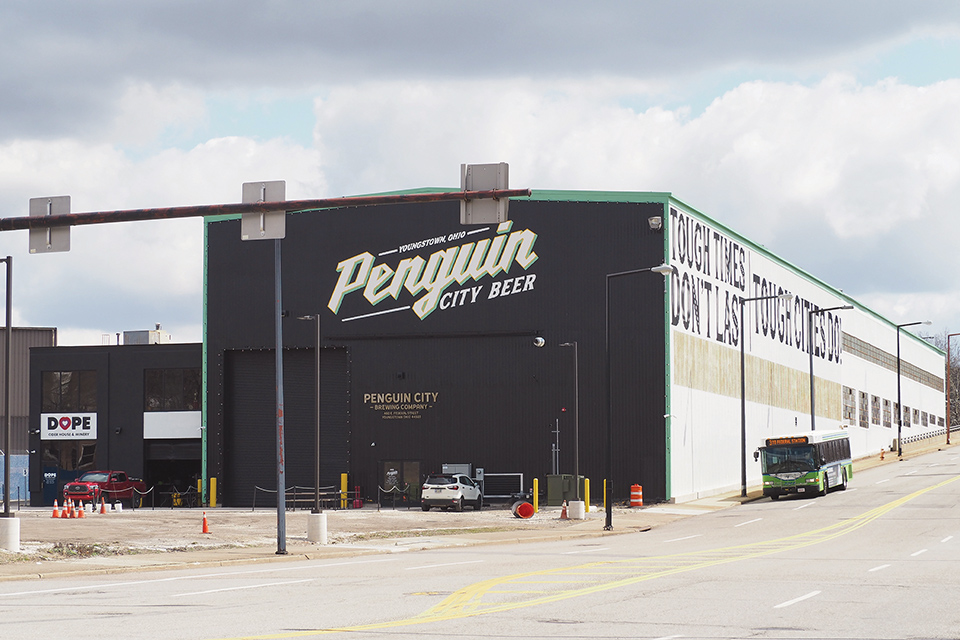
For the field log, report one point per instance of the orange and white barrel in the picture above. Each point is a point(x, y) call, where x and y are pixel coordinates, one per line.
point(636, 496)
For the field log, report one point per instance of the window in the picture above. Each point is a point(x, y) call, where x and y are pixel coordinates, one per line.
point(849, 406)
point(875, 410)
point(916, 416)
point(68, 391)
point(864, 416)
point(171, 390)
point(887, 413)
point(906, 416)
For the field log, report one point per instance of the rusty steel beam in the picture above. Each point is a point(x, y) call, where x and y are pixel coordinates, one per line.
point(131, 215)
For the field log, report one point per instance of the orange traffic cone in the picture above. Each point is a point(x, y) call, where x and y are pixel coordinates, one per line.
point(73, 510)
point(206, 528)
point(563, 512)
point(56, 509)
point(80, 513)
point(103, 507)
point(64, 513)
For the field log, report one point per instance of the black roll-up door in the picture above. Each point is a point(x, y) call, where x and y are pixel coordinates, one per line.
point(250, 458)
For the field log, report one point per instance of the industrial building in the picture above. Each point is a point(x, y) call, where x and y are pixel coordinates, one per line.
point(534, 346)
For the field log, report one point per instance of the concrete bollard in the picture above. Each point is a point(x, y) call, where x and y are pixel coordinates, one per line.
point(10, 534)
point(577, 510)
point(317, 527)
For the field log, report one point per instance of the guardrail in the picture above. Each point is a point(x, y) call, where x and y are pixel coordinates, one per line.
point(306, 497)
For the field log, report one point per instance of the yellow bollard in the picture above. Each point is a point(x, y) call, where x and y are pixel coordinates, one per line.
point(604, 494)
point(343, 490)
point(536, 495)
point(213, 492)
point(586, 495)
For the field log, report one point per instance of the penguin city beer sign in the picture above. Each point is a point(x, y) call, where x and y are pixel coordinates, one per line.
point(463, 274)
point(68, 426)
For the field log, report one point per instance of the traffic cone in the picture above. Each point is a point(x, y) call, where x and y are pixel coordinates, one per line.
point(81, 510)
point(103, 507)
point(206, 527)
point(64, 513)
point(56, 509)
point(73, 510)
point(563, 512)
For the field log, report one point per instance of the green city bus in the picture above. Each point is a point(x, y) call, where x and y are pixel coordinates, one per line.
point(814, 462)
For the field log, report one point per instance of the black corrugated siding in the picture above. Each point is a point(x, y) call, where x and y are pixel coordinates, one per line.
point(500, 396)
point(250, 423)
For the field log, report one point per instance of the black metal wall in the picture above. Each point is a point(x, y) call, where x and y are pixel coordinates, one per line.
point(498, 397)
point(120, 398)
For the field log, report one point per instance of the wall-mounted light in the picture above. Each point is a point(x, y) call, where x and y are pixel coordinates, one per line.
point(539, 342)
point(655, 222)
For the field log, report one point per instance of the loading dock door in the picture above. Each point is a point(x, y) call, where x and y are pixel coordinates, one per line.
point(249, 432)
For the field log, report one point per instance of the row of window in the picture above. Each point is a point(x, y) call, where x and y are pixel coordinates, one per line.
point(874, 410)
point(870, 353)
point(164, 390)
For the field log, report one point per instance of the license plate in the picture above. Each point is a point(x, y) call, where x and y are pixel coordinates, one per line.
point(437, 490)
point(801, 489)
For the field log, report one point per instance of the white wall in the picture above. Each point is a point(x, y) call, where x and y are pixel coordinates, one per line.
point(714, 269)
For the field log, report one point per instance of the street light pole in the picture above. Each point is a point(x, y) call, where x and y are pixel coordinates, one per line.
point(810, 314)
point(743, 390)
point(899, 399)
point(664, 270)
point(316, 465)
point(949, 390)
point(576, 418)
point(8, 342)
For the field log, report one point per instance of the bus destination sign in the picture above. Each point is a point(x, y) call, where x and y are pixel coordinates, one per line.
point(772, 442)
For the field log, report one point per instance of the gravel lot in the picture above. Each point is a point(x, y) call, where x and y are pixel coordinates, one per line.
point(166, 530)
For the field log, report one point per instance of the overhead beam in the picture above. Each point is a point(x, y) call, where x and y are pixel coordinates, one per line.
point(131, 215)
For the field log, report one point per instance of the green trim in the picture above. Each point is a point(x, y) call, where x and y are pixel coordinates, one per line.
point(203, 371)
point(668, 420)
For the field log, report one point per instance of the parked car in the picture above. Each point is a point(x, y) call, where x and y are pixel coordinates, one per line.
point(111, 485)
point(450, 491)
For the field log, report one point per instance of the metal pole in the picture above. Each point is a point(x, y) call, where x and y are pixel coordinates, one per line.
point(576, 418)
point(316, 469)
point(949, 388)
point(662, 269)
point(743, 411)
point(281, 473)
point(169, 213)
point(813, 410)
point(743, 391)
point(8, 342)
point(608, 485)
point(899, 401)
point(576, 423)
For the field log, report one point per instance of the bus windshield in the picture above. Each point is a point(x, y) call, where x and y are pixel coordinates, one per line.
point(786, 458)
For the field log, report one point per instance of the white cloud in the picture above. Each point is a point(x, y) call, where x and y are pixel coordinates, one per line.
point(845, 180)
point(128, 276)
point(146, 111)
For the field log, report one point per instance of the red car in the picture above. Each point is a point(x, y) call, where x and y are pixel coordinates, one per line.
point(110, 485)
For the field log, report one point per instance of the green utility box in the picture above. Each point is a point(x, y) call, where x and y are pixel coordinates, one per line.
point(560, 487)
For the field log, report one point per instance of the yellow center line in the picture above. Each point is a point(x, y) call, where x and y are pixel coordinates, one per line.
point(468, 601)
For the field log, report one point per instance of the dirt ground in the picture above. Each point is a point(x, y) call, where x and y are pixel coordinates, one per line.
point(164, 530)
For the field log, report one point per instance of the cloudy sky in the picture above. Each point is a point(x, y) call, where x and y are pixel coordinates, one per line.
point(828, 132)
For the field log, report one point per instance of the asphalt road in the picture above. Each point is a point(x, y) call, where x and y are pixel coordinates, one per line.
point(880, 560)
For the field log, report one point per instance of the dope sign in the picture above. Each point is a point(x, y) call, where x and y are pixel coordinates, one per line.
point(70, 426)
